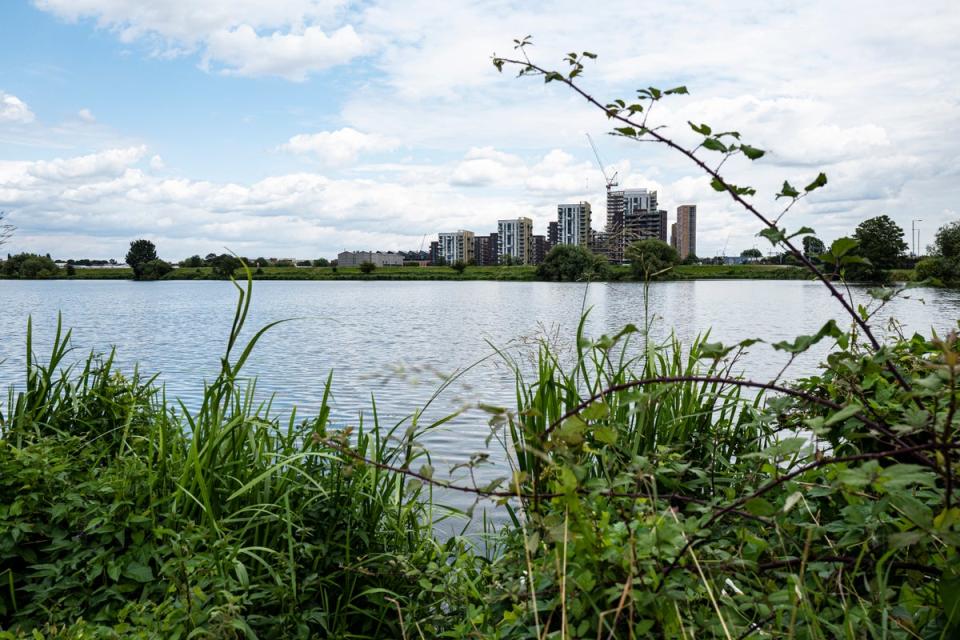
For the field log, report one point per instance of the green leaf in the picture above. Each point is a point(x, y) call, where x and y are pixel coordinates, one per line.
point(843, 246)
point(950, 597)
point(587, 54)
point(551, 76)
point(714, 145)
point(717, 185)
point(595, 411)
point(681, 90)
point(846, 413)
point(139, 572)
point(702, 129)
point(787, 191)
point(820, 181)
point(772, 234)
point(802, 231)
point(752, 152)
point(606, 435)
point(629, 132)
point(802, 343)
point(759, 507)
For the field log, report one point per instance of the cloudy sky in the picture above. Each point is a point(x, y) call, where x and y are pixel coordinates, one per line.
point(304, 127)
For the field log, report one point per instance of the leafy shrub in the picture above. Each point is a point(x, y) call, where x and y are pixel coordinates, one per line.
point(29, 265)
point(367, 267)
point(651, 258)
point(571, 263)
point(155, 269)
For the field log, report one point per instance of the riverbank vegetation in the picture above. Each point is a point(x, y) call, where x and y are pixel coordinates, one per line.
point(651, 490)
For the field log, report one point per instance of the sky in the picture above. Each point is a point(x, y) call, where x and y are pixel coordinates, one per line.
point(301, 128)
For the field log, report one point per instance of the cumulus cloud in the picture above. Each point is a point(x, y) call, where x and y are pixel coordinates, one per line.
point(340, 147)
point(13, 109)
point(104, 163)
point(290, 55)
point(86, 115)
point(286, 38)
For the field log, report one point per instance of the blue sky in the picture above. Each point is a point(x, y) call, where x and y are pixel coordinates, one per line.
point(304, 127)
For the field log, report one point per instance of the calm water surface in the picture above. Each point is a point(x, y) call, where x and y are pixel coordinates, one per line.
point(396, 340)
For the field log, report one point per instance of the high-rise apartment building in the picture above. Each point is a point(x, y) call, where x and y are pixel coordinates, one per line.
point(633, 214)
point(541, 247)
point(573, 224)
point(456, 246)
point(515, 240)
point(485, 250)
point(685, 231)
point(553, 233)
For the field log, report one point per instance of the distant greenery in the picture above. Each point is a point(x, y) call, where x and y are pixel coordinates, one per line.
point(225, 265)
point(753, 254)
point(154, 269)
point(141, 252)
point(651, 259)
point(367, 267)
point(813, 246)
point(943, 265)
point(459, 266)
point(572, 263)
point(28, 265)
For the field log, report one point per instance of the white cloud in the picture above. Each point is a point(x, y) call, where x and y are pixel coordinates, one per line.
point(13, 109)
point(109, 162)
point(287, 38)
point(338, 148)
point(290, 55)
point(86, 115)
point(157, 163)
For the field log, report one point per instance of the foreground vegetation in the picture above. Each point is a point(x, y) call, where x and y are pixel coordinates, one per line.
point(651, 492)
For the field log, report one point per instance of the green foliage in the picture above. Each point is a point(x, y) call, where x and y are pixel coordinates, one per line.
point(651, 259)
point(193, 262)
point(367, 267)
point(813, 247)
point(225, 265)
point(571, 263)
point(459, 266)
point(28, 265)
point(319, 262)
point(141, 252)
point(946, 243)
point(155, 269)
point(881, 242)
point(753, 253)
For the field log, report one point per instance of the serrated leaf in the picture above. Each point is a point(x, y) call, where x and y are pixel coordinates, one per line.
point(702, 129)
point(802, 343)
point(714, 145)
point(759, 507)
point(787, 191)
point(820, 181)
point(772, 234)
point(138, 571)
point(752, 152)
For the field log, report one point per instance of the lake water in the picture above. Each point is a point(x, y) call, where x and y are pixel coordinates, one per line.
point(396, 340)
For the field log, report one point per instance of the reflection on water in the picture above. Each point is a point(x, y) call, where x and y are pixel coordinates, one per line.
point(398, 340)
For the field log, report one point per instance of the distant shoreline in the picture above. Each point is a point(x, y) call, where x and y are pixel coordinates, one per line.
point(524, 273)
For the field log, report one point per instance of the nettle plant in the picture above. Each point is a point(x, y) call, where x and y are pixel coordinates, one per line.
point(824, 508)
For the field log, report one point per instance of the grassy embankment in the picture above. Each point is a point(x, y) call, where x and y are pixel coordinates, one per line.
point(648, 498)
point(517, 273)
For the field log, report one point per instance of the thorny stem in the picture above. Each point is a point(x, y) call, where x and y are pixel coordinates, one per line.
point(847, 305)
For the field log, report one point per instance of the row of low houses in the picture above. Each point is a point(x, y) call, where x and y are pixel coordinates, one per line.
point(632, 214)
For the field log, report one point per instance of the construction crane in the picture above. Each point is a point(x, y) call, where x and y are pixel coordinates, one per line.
point(610, 180)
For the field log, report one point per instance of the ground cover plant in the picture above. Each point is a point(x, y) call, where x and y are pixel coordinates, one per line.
point(652, 490)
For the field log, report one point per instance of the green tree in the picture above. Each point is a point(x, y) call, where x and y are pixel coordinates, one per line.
point(947, 241)
point(367, 267)
point(29, 265)
point(141, 252)
point(155, 269)
point(813, 247)
point(751, 254)
point(192, 262)
point(321, 262)
point(225, 264)
point(649, 259)
point(881, 242)
point(572, 263)
point(459, 266)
